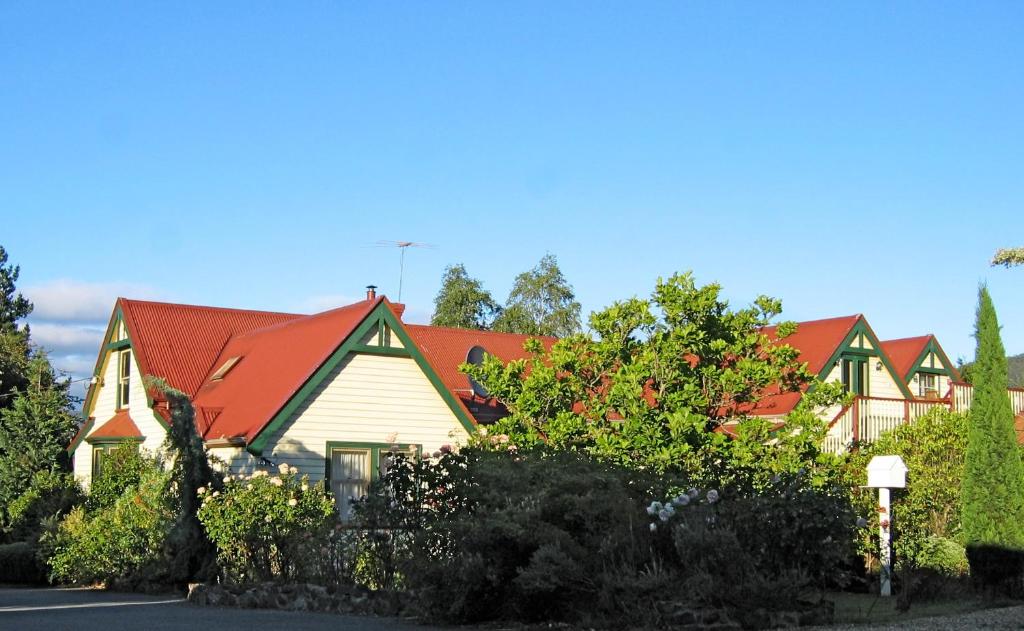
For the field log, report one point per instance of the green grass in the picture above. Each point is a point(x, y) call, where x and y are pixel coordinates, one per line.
point(873, 609)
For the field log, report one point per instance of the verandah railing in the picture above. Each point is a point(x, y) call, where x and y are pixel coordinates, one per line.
point(867, 418)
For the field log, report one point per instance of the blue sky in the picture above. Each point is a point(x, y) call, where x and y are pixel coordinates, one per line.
point(845, 157)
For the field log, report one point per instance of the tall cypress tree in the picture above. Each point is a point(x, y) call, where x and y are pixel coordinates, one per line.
point(993, 484)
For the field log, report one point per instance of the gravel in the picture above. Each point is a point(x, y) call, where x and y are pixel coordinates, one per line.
point(996, 618)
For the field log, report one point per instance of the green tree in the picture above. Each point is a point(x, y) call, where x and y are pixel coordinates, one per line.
point(993, 482)
point(14, 343)
point(35, 429)
point(187, 550)
point(463, 302)
point(541, 302)
point(658, 384)
point(1008, 257)
point(13, 306)
point(929, 509)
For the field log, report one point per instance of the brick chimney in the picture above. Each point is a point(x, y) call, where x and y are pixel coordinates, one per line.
point(371, 292)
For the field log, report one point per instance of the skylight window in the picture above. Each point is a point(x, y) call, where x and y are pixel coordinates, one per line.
point(225, 368)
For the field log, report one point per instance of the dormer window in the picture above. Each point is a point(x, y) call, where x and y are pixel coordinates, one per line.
point(225, 368)
point(124, 374)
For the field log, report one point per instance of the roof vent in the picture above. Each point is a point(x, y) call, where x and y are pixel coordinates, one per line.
point(475, 356)
point(371, 292)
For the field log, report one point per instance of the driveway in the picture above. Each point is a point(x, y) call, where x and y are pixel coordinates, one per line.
point(55, 609)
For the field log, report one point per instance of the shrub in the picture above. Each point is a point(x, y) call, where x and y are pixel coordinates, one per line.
point(18, 564)
point(933, 448)
point(268, 527)
point(49, 493)
point(533, 536)
point(122, 541)
point(122, 469)
point(757, 551)
point(997, 568)
point(942, 556)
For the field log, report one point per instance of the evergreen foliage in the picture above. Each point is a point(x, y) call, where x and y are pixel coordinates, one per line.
point(541, 302)
point(13, 306)
point(188, 551)
point(462, 301)
point(35, 429)
point(993, 483)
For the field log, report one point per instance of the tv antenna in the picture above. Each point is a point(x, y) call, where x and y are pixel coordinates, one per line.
point(403, 246)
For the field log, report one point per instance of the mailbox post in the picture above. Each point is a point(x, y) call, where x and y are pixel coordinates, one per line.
point(885, 473)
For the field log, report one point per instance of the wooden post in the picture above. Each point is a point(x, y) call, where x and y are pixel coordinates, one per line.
point(856, 420)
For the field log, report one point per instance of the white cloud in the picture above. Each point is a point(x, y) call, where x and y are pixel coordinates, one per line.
point(67, 338)
point(66, 300)
point(78, 366)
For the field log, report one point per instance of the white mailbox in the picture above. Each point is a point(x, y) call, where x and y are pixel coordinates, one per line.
point(887, 472)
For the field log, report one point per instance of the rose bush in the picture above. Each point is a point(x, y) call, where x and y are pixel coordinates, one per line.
point(268, 527)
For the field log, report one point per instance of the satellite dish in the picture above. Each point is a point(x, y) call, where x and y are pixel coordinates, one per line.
point(475, 356)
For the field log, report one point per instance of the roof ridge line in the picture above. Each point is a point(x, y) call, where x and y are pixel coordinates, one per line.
point(210, 307)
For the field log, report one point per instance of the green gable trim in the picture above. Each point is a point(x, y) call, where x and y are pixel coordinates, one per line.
point(393, 351)
point(846, 349)
point(379, 317)
point(947, 366)
point(374, 448)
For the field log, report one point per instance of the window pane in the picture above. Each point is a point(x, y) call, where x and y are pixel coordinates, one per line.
point(350, 477)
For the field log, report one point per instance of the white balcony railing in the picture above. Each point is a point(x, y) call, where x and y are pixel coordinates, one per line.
point(867, 418)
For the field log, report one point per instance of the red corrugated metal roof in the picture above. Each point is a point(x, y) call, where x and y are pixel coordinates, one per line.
point(904, 352)
point(179, 342)
point(120, 425)
point(275, 362)
point(816, 340)
point(446, 348)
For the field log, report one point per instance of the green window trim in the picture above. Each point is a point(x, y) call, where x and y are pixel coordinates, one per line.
point(375, 450)
point(100, 448)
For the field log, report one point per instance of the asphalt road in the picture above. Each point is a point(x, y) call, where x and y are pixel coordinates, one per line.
point(56, 609)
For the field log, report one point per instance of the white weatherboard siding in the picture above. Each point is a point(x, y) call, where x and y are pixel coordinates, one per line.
point(106, 407)
point(236, 459)
point(883, 384)
point(367, 399)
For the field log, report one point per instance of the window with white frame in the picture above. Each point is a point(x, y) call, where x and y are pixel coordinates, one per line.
point(927, 384)
point(124, 376)
point(352, 466)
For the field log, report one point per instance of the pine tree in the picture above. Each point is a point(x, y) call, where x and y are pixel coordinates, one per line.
point(993, 483)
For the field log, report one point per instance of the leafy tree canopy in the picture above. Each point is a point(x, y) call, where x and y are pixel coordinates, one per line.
point(1008, 257)
point(541, 302)
point(993, 482)
point(658, 381)
point(463, 302)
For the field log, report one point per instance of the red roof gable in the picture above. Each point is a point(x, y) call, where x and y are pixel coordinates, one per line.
point(446, 349)
point(817, 341)
point(903, 353)
point(120, 425)
point(274, 363)
point(179, 342)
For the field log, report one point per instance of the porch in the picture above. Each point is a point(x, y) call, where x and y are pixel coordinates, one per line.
point(867, 418)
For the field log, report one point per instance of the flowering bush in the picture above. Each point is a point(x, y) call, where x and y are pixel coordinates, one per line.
point(739, 549)
point(268, 527)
